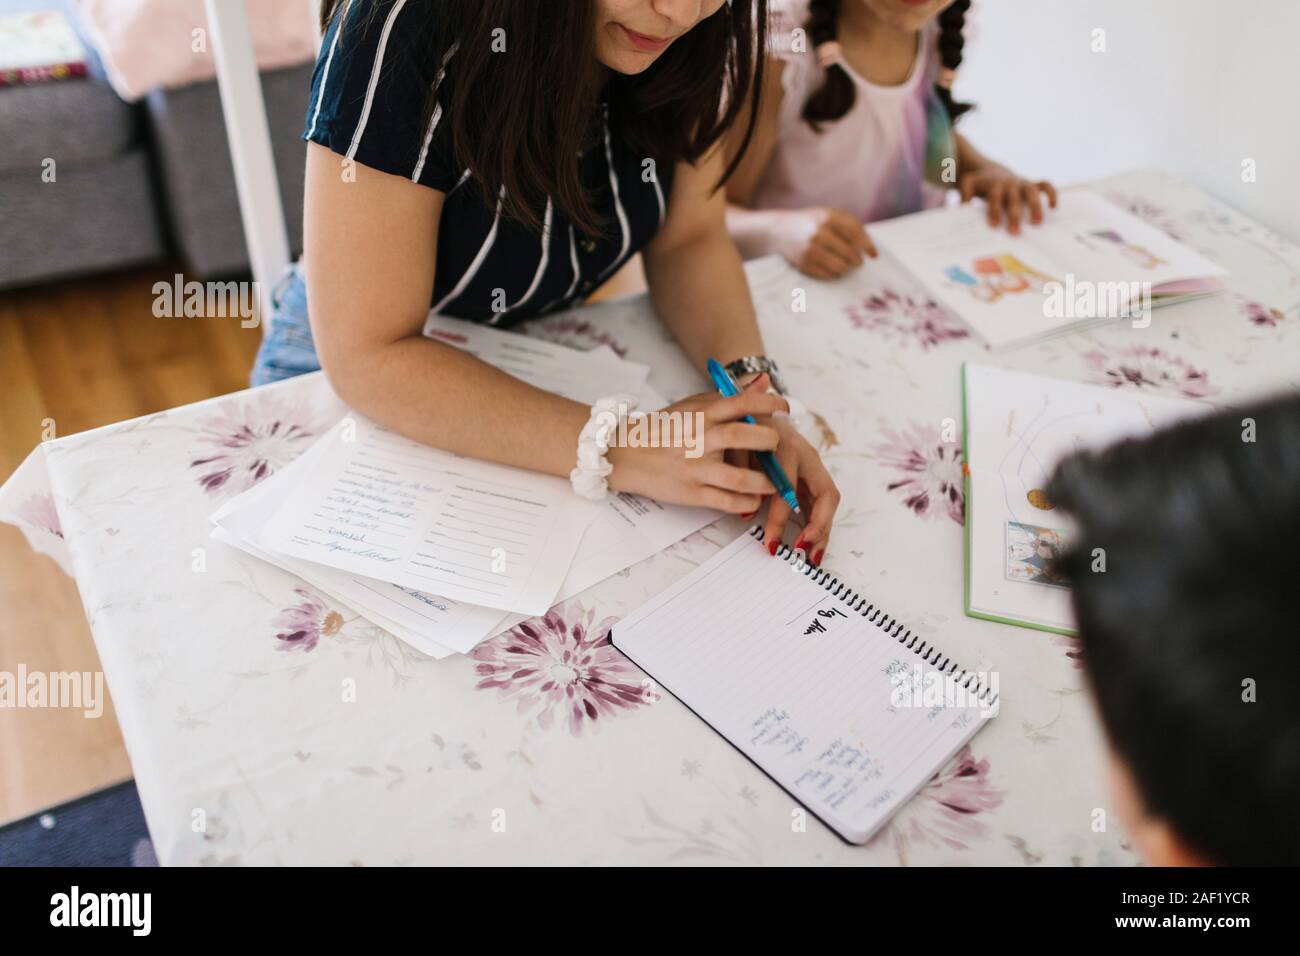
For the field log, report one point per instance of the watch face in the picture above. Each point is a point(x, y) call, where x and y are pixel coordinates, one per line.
point(757, 363)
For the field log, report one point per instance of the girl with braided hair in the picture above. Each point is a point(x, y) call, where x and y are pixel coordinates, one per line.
point(856, 126)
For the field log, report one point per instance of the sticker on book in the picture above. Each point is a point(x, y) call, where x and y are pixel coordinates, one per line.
point(1032, 553)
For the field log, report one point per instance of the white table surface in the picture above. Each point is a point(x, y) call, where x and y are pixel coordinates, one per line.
point(497, 758)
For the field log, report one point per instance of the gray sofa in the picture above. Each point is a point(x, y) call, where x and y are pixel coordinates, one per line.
point(198, 180)
point(132, 183)
point(99, 212)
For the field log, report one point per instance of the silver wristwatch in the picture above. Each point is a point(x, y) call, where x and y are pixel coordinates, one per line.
point(754, 364)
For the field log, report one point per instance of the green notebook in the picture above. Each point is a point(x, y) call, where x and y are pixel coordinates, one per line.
point(1017, 428)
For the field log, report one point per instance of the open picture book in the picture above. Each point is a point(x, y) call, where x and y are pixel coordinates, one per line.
point(1089, 262)
point(1018, 428)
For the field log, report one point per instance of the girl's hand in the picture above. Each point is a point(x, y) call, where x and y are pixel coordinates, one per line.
point(1006, 194)
point(696, 471)
point(822, 243)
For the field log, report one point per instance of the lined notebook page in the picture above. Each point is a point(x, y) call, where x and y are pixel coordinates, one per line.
point(803, 684)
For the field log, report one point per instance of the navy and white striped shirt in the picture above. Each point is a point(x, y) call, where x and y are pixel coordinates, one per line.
point(368, 97)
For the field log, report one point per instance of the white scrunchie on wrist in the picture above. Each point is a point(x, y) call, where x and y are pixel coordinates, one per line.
point(588, 477)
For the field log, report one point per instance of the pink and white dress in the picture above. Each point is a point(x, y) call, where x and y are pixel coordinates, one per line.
point(882, 159)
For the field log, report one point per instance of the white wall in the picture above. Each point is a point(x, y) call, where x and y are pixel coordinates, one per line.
point(1190, 86)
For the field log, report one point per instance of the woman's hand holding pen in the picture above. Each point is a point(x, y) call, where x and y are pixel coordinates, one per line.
point(725, 475)
point(699, 470)
point(813, 485)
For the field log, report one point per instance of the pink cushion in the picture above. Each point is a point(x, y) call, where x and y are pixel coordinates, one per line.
point(145, 44)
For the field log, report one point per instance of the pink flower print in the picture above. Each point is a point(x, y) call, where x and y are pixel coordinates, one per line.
point(300, 627)
point(945, 813)
point(249, 443)
point(1260, 314)
point(929, 471)
point(560, 666)
point(1146, 210)
point(39, 512)
point(1147, 367)
point(566, 329)
point(909, 318)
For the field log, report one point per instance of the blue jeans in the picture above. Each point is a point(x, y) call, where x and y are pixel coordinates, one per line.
point(287, 347)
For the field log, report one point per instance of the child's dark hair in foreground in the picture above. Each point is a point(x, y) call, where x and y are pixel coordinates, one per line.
point(1191, 634)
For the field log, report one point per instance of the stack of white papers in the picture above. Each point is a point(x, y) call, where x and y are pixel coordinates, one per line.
point(441, 550)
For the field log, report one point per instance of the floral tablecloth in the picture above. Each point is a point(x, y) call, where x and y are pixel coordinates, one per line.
point(266, 725)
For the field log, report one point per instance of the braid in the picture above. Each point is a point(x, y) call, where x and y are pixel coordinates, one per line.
point(951, 23)
point(836, 95)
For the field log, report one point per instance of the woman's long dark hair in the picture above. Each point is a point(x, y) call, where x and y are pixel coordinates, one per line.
point(517, 119)
point(836, 95)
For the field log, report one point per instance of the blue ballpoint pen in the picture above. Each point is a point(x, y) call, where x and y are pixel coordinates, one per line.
point(771, 467)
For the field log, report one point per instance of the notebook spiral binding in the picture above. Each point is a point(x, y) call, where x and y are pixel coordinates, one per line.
point(890, 625)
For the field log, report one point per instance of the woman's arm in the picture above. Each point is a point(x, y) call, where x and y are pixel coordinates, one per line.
point(699, 289)
point(751, 228)
point(370, 247)
point(694, 273)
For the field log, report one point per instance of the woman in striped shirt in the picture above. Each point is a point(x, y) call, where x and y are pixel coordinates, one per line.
point(496, 160)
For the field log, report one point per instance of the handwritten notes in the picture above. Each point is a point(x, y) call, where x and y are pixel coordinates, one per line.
point(434, 625)
point(439, 550)
point(772, 728)
point(819, 621)
point(444, 551)
point(840, 772)
point(627, 529)
point(801, 682)
point(383, 506)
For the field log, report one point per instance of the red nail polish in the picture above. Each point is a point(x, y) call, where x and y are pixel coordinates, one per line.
point(750, 515)
point(799, 543)
point(771, 546)
point(817, 558)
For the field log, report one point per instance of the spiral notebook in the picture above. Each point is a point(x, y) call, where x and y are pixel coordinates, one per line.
point(840, 703)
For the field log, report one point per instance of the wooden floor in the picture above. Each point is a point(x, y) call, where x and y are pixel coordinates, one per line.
point(87, 353)
point(83, 354)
